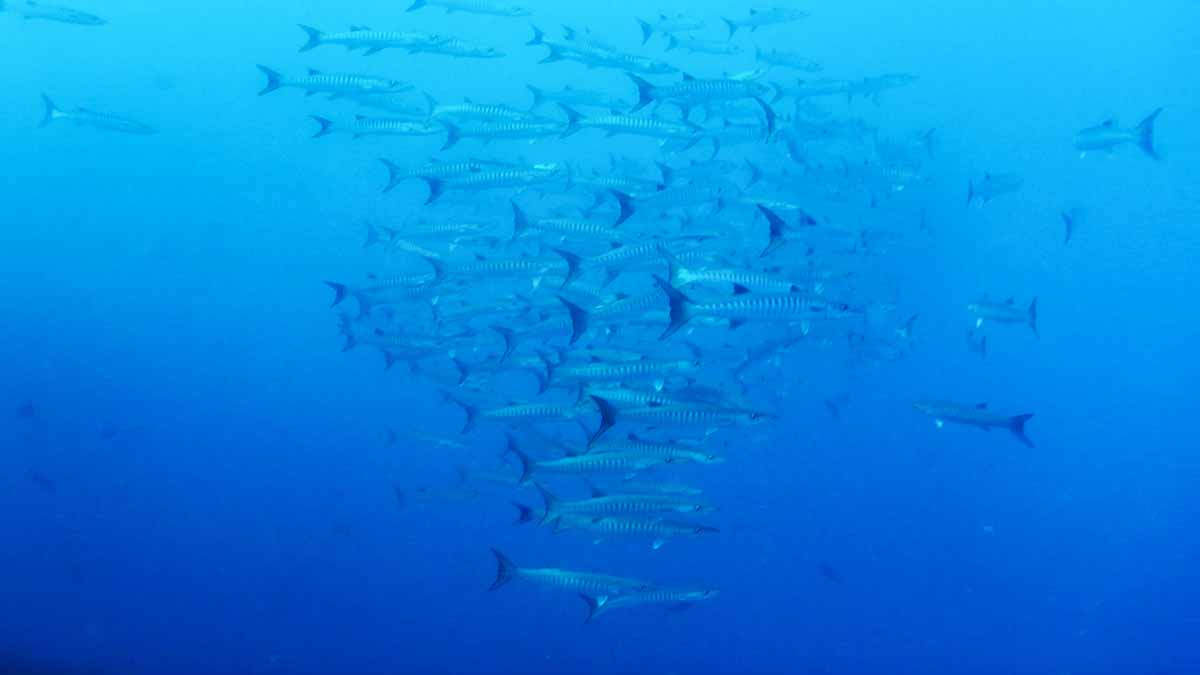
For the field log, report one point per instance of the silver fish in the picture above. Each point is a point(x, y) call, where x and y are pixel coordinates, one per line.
point(85, 117)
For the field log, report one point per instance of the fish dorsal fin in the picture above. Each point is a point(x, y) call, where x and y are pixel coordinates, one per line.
point(753, 12)
point(688, 78)
point(633, 437)
point(1010, 301)
point(372, 276)
point(739, 289)
point(468, 101)
point(1109, 123)
point(981, 406)
point(358, 28)
point(597, 492)
point(479, 257)
point(359, 118)
point(313, 72)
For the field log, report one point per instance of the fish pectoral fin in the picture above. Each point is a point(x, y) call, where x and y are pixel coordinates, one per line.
point(657, 544)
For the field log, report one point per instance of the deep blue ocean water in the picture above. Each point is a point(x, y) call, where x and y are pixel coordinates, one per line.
point(195, 479)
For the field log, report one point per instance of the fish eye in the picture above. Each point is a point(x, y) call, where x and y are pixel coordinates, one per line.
point(698, 507)
point(698, 530)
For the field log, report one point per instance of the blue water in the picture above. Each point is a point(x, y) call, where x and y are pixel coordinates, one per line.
point(194, 478)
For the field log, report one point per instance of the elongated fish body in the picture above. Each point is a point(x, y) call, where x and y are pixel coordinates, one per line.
point(371, 41)
point(443, 170)
point(668, 24)
point(579, 582)
point(398, 104)
point(477, 112)
point(993, 185)
point(755, 281)
point(872, 87)
point(1108, 136)
point(610, 526)
point(624, 372)
point(523, 225)
point(575, 97)
point(484, 7)
point(662, 488)
point(604, 604)
point(691, 415)
point(1004, 312)
point(668, 452)
point(597, 57)
point(977, 416)
point(378, 126)
point(522, 413)
point(764, 17)
point(775, 57)
point(618, 505)
point(57, 13)
point(503, 130)
point(696, 46)
point(786, 307)
point(626, 397)
point(461, 49)
point(813, 88)
point(632, 125)
point(85, 117)
point(692, 91)
point(495, 179)
point(335, 84)
point(590, 464)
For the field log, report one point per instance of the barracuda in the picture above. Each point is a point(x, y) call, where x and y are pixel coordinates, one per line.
point(668, 452)
point(691, 92)
point(484, 7)
point(85, 117)
point(601, 504)
point(580, 582)
point(372, 41)
point(598, 605)
point(336, 85)
point(378, 126)
point(514, 177)
point(635, 126)
point(585, 465)
point(789, 307)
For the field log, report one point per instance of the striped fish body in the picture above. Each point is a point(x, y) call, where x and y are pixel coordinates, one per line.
point(612, 462)
point(316, 82)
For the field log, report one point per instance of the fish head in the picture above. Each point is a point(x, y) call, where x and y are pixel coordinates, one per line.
point(704, 529)
point(708, 458)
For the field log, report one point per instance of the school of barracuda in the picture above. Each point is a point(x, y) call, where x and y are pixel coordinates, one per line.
point(611, 324)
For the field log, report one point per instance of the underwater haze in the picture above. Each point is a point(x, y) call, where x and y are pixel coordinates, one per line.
point(666, 337)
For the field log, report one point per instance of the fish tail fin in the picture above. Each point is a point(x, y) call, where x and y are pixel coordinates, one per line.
point(506, 571)
point(510, 341)
point(777, 229)
point(351, 341)
point(274, 80)
point(593, 605)
point(539, 97)
point(1069, 224)
point(51, 112)
point(527, 465)
point(395, 174)
point(970, 190)
point(769, 115)
point(608, 417)
point(731, 26)
point(464, 370)
point(520, 220)
point(436, 187)
point(340, 291)
point(453, 135)
point(672, 42)
point(625, 202)
point(471, 412)
point(439, 269)
point(550, 502)
point(680, 307)
point(756, 173)
point(573, 119)
point(667, 173)
point(524, 513)
point(417, 4)
point(372, 235)
point(647, 31)
point(1033, 317)
point(1017, 426)
point(675, 269)
point(539, 37)
point(1145, 134)
point(326, 126)
point(579, 318)
point(574, 266)
point(645, 92)
point(314, 37)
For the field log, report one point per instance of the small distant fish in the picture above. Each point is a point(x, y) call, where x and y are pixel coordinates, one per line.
point(485, 7)
point(371, 41)
point(46, 483)
point(1109, 136)
point(37, 10)
point(775, 57)
point(830, 574)
point(334, 84)
point(378, 126)
point(977, 416)
point(670, 598)
point(764, 17)
point(85, 117)
point(993, 185)
point(1005, 312)
point(1070, 219)
point(872, 87)
point(27, 411)
point(580, 582)
point(460, 48)
point(669, 24)
point(698, 46)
